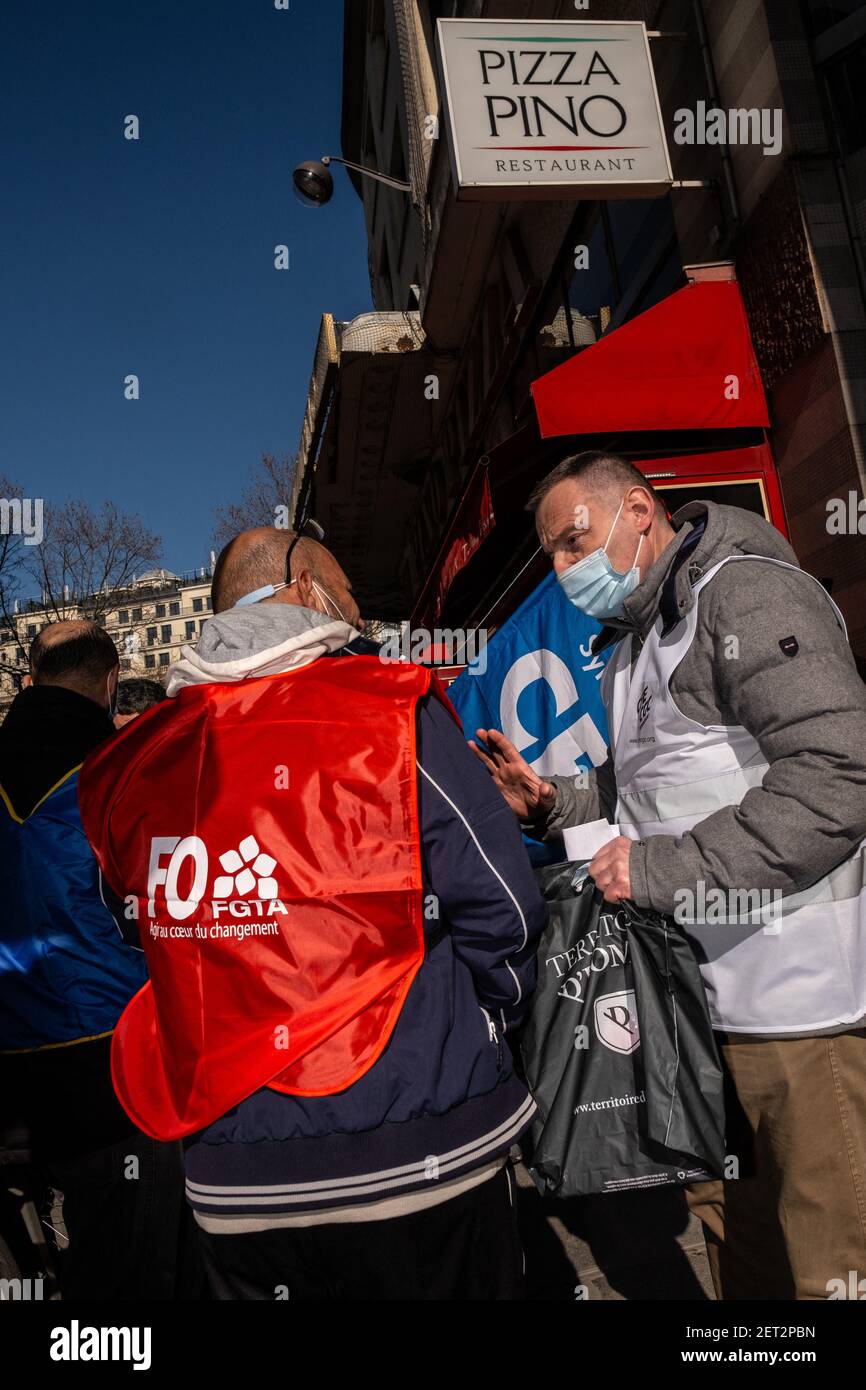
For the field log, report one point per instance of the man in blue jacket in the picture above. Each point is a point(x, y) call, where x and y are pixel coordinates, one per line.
point(398, 1186)
point(66, 974)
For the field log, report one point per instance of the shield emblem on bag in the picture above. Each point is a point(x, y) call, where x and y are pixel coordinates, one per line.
point(616, 1021)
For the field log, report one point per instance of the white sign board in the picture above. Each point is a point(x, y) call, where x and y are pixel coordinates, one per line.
point(552, 109)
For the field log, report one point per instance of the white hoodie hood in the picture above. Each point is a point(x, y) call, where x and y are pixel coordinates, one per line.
point(258, 640)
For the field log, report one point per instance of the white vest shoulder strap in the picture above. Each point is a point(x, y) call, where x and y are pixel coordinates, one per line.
point(783, 564)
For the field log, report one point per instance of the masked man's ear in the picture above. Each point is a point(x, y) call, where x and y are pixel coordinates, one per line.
point(306, 588)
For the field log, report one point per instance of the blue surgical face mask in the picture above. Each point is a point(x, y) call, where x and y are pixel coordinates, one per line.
point(268, 591)
point(256, 595)
point(594, 586)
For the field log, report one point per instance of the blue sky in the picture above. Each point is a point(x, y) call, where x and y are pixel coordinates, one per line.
point(156, 256)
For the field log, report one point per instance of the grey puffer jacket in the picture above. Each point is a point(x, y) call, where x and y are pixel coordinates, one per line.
point(807, 713)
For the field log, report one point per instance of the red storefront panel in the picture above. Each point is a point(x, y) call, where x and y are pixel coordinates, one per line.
point(736, 477)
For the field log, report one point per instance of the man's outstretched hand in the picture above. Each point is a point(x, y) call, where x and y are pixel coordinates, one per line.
point(526, 793)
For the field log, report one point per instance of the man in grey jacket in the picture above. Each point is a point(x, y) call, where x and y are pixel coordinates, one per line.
point(737, 776)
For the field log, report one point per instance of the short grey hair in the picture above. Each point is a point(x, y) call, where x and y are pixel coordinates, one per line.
point(601, 472)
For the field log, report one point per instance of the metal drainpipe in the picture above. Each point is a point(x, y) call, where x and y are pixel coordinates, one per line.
point(713, 89)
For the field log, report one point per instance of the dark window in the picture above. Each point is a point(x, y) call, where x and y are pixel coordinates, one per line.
point(398, 164)
point(592, 294)
point(137, 615)
point(385, 267)
point(174, 610)
point(630, 224)
point(197, 605)
point(164, 658)
point(823, 14)
point(846, 78)
point(643, 236)
point(149, 660)
point(31, 629)
point(123, 617)
point(666, 277)
point(443, 9)
point(747, 495)
point(633, 264)
point(166, 632)
point(190, 628)
point(151, 636)
point(160, 610)
point(208, 605)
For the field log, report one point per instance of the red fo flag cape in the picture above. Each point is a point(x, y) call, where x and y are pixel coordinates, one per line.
point(266, 833)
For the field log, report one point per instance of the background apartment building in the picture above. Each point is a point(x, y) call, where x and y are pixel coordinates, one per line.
point(484, 298)
point(149, 622)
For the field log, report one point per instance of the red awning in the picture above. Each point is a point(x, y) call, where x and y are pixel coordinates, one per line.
point(685, 364)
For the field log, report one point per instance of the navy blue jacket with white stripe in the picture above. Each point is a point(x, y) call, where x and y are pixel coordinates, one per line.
point(443, 1098)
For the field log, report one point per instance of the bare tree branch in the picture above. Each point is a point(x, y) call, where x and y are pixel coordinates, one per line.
point(85, 563)
point(269, 487)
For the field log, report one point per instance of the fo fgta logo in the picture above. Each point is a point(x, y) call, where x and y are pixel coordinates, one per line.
point(246, 883)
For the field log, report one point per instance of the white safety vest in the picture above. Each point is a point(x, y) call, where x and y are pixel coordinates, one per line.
point(770, 965)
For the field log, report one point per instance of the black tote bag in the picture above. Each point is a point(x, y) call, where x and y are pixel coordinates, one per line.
point(618, 1049)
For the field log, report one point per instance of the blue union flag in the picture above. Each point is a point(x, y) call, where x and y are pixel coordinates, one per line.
point(538, 682)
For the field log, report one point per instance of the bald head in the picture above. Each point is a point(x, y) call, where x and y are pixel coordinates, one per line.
point(76, 655)
point(257, 557)
point(249, 561)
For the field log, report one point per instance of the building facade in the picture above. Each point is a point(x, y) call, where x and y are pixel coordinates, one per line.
point(149, 622)
point(477, 300)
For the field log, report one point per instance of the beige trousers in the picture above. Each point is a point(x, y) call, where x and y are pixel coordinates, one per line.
point(795, 1218)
